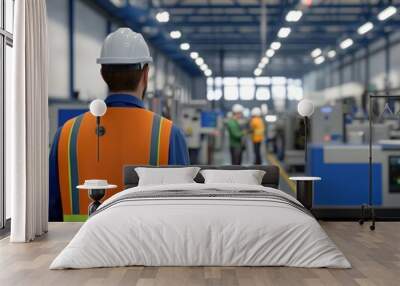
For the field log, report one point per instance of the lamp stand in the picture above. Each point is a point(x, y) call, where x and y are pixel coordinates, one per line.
point(368, 210)
point(305, 143)
point(100, 131)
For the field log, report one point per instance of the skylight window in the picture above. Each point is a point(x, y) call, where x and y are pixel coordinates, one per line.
point(263, 93)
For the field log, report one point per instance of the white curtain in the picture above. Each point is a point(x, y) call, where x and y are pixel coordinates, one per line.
point(27, 123)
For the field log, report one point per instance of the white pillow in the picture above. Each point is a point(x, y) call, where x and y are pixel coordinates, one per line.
point(166, 176)
point(248, 177)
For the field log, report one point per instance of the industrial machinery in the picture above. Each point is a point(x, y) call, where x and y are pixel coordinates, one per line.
point(327, 124)
point(344, 166)
point(344, 169)
point(293, 131)
point(203, 128)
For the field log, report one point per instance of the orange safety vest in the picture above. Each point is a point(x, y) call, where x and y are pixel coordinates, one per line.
point(132, 136)
point(257, 126)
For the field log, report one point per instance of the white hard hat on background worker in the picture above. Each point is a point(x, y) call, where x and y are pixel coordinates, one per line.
point(124, 46)
point(256, 111)
point(237, 108)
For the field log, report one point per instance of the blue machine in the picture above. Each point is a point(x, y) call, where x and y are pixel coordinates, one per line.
point(60, 111)
point(344, 173)
point(209, 119)
point(64, 114)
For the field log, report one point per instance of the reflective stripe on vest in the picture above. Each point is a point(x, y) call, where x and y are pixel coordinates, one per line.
point(133, 136)
point(155, 141)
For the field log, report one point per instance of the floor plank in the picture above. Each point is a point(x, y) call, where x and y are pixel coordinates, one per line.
point(375, 257)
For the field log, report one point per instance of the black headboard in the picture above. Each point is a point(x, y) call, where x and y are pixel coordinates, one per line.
point(270, 179)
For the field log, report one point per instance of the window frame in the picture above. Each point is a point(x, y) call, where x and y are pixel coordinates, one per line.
point(268, 83)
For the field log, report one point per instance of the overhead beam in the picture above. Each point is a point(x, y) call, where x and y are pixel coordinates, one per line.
point(247, 40)
point(256, 12)
point(210, 23)
point(271, 6)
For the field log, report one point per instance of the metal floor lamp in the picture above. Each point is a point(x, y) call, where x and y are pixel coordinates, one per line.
point(305, 108)
point(98, 108)
point(368, 210)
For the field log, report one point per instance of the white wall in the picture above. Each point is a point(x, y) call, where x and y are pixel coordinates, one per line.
point(377, 66)
point(58, 48)
point(394, 71)
point(90, 31)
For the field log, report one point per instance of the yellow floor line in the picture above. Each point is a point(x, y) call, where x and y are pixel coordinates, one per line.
point(274, 161)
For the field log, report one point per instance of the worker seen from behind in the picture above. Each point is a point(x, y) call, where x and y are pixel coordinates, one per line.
point(257, 130)
point(236, 134)
point(132, 135)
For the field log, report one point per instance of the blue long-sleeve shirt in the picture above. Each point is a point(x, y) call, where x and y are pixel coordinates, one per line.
point(178, 152)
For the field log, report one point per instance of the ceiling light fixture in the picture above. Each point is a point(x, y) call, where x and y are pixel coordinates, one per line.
point(316, 52)
point(294, 15)
point(162, 17)
point(257, 72)
point(276, 45)
point(331, 54)
point(194, 55)
point(346, 44)
point(319, 60)
point(284, 32)
point(175, 34)
point(265, 60)
point(365, 28)
point(185, 46)
point(199, 61)
point(387, 13)
point(270, 53)
point(208, 72)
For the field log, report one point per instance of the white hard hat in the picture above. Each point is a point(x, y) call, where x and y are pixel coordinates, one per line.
point(256, 111)
point(124, 46)
point(237, 108)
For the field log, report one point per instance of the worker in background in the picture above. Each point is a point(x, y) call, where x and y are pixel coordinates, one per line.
point(236, 134)
point(132, 134)
point(257, 133)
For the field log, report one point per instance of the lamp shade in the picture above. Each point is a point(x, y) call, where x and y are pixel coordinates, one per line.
point(98, 107)
point(305, 108)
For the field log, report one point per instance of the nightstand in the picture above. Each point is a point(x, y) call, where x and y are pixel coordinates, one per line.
point(96, 190)
point(305, 190)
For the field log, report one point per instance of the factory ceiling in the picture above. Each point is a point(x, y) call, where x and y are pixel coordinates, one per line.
point(232, 36)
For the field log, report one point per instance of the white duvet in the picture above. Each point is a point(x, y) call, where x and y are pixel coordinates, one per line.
point(200, 231)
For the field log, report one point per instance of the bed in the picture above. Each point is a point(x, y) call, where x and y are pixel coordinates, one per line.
point(197, 224)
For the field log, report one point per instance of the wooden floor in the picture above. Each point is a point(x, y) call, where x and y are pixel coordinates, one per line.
point(375, 257)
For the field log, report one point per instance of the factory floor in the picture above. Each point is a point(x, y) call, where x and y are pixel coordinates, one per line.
point(223, 157)
point(375, 258)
